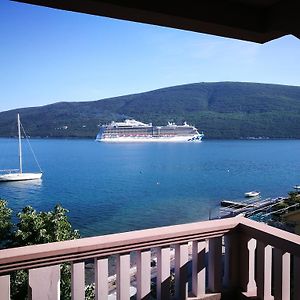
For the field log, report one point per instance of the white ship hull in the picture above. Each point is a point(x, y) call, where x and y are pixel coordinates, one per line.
point(175, 139)
point(131, 131)
point(20, 176)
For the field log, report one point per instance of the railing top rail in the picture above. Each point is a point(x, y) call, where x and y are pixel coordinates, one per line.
point(278, 238)
point(101, 246)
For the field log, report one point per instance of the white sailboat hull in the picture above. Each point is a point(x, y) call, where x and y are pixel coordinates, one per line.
point(20, 176)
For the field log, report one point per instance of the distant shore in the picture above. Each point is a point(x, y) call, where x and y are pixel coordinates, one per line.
point(204, 139)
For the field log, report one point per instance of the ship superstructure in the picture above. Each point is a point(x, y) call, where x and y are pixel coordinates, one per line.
point(134, 131)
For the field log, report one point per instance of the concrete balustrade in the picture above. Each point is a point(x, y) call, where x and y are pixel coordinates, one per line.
point(235, 258)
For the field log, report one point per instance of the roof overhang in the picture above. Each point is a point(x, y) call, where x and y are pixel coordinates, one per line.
point(252, 20)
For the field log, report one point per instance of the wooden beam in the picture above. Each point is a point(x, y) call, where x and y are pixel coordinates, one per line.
point(218, 17)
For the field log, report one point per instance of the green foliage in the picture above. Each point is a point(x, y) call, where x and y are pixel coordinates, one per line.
point(65, 281)
point(5, 223)
point(18, 285)
point(277, 207)
point(43, 227)
point(36, 228)
point(293, 198)
point(90, 292)
point(221, 110)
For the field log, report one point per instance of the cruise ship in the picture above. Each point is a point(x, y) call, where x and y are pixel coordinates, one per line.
point(135, 131)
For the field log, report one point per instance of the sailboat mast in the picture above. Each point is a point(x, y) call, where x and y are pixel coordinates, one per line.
point(20, 144)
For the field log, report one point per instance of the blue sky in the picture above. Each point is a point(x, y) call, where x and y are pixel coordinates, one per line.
point(49, 55)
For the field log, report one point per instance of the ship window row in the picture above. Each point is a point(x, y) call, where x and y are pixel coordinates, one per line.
point(171, 130)
point(178, 130)
point(133, 130)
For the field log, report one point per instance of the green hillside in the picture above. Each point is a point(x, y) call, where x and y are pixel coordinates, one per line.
point(221, 110)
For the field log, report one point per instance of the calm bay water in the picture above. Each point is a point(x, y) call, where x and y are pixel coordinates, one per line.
point(119, 187)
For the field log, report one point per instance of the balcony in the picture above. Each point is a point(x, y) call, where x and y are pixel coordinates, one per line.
point(234, 258)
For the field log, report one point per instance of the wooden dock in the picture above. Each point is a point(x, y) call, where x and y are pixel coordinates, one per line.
point(233, 208)
point(235, 204)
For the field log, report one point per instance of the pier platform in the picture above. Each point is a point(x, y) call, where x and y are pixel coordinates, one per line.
point(231, 208)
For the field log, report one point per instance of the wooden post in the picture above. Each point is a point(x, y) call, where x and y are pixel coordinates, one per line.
point(101, 278)
point(44, 283)
point(5, 287)
point(78, 281)
point(123, 276)
point(143, 275)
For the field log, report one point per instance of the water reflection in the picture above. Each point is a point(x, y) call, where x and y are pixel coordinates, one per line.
point(21, 190)
point(25, 184)
point(113, 188)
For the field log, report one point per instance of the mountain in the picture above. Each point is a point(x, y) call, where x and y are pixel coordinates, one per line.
point(222, 110)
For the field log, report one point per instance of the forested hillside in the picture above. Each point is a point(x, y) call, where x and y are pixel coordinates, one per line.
point(220, 110)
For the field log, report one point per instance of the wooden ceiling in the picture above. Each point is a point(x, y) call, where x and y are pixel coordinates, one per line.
point(252, 20)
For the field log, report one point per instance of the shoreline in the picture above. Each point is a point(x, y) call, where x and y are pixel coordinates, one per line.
point(89, 138)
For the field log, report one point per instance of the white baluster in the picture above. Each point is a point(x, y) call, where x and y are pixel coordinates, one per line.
point(247, 265)
point(5, 287)
point(44, 283)
point(286, 274)
point(198, 268)
point(143, 276)
point(264, 271)
point(163, 273)
point(77, 281)
point(101, 278)
point(251, 286)
point(281, 275)
point(181, 280)
point(123, 276)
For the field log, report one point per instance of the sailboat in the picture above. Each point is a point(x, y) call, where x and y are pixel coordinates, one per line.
point(18, 174)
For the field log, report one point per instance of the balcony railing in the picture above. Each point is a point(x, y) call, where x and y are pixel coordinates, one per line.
point(233, 258)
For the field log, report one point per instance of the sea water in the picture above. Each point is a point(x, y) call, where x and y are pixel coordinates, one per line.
point(110, 188)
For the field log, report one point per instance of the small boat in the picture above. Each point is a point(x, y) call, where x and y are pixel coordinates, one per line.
point(296, 187)
point(252, 194)
point(18, 174)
